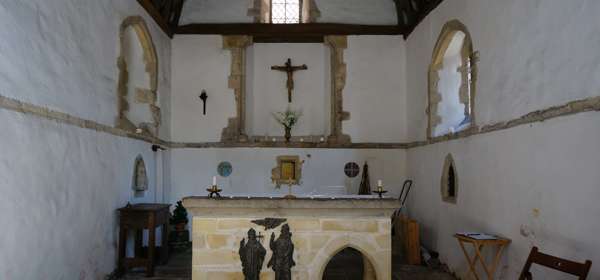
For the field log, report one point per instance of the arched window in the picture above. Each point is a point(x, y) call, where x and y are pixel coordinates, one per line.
point(286, 11)
point(138, 80)
point(452, 76)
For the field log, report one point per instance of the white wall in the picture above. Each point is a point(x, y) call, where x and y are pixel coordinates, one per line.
point(503, 177)
point(192, 170)
point(267, 91)
point(61, 184)
point(375, 92)
point(216, 11)
point(378, 12)
point(374, 96)
point(200, 62)
point(528, 61)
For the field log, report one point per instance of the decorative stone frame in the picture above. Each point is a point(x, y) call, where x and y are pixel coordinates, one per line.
point(468, 86)
point(148, 96)
point(449, 164)
point(276, 172)
point(236, 128)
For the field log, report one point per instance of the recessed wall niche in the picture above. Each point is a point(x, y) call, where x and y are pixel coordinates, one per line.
point(267, 93)
point(138, 80)
point(449, 183)
point(236, 130)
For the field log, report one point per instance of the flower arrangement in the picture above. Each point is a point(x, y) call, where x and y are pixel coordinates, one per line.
point(287, 119)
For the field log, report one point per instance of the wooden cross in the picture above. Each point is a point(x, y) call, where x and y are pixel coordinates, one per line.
point(289, 69)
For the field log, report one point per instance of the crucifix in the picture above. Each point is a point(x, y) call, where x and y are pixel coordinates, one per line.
point(289, 69)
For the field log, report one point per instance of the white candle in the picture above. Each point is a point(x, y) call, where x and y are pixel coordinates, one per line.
point(379, 183)
point(214, 180)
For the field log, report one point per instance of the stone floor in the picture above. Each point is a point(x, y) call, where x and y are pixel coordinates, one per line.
point(179, 268)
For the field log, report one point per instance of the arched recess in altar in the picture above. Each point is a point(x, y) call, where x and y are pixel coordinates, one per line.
point(452, 80)
point(138, 79)
point(371, 263)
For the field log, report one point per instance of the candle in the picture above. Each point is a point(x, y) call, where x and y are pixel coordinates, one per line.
point(214, 180)
point(379, 183)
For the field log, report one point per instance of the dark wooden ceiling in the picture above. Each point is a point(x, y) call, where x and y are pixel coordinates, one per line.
point(166, 13)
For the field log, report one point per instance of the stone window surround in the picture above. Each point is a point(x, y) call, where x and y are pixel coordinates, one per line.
point(468, 86)
point(449, 163)
point(235, 132)
point(148, 96)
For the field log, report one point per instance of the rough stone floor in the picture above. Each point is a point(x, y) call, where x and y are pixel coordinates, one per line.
point(179, 268)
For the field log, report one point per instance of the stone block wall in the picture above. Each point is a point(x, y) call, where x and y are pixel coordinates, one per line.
point(216, 243)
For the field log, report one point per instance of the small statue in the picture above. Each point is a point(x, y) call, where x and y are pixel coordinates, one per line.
point(252, 255)
point(282, 260)
point(140, 178)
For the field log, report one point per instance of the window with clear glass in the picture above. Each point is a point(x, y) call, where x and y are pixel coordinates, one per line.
point(286, 11)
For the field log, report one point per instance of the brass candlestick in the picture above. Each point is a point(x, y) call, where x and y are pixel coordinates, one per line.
point(214, 191)
point(380, 191)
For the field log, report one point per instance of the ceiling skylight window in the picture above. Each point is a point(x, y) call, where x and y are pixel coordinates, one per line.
point(285, 11)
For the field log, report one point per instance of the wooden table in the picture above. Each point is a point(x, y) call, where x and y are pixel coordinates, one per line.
point(138, 217)
point(478, 245)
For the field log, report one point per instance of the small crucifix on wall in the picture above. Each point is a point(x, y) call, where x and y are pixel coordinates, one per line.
point(289, 69)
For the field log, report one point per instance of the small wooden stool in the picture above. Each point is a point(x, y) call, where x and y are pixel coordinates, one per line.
point(139, 217)
point(478, 244)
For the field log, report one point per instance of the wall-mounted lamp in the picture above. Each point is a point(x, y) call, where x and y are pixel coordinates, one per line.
point(155, 148)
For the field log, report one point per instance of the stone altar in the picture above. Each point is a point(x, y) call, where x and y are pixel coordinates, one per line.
point(321, 227)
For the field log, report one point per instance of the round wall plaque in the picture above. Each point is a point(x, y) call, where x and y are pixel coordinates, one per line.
point(351, 169)
point(224, 169)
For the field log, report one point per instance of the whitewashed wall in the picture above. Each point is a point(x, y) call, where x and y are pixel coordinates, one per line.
point(332, 11)
point(375, 92)
point(61, 184)
point(528, 61)
point(503, 179)
point(193, 170)
point(374, 96)
point(378, 12)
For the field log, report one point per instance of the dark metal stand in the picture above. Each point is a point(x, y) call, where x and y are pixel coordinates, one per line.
point(380, 193)
point(214, 191)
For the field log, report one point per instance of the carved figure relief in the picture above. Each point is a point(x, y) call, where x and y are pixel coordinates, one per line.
point(140, 177)
point(282, 260)
point(252, 255)
point(269, 223)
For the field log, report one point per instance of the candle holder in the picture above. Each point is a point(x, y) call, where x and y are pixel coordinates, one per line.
point(380, 191)
point(289, 195)
point(214, 191)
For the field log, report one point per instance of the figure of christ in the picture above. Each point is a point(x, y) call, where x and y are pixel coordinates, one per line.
point(252, 255)
point(289, 69)
point(282, 260)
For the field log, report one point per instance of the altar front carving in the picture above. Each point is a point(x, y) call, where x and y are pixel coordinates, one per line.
point(319, 228)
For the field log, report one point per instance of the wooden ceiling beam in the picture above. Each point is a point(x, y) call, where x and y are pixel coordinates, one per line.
point(290, 30)
point(166, 13)
point(412, 12)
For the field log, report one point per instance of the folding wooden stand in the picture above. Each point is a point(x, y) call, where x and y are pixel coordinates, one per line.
point(478, 245)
